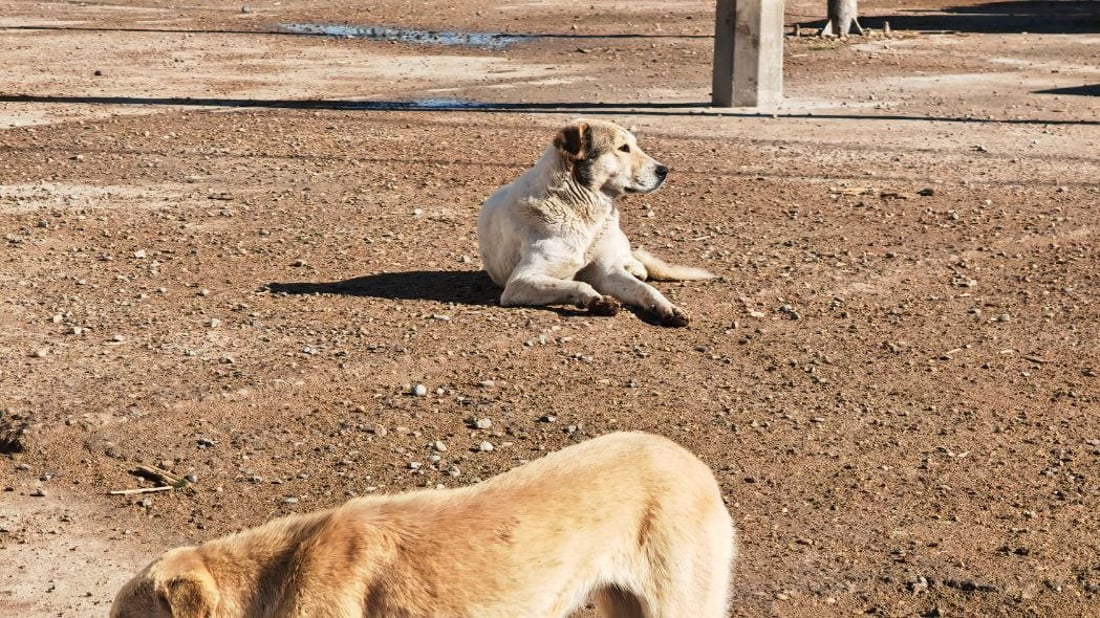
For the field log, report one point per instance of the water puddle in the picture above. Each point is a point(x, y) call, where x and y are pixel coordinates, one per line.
point(483, 40)
point(442, 105)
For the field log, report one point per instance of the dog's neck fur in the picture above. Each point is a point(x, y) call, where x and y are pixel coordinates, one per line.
point(563, 189)
point(248, 557)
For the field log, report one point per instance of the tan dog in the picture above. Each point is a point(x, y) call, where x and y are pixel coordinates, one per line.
point(630, 520)
point(552, 235)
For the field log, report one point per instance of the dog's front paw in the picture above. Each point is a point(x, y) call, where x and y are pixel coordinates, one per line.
point(675, 318)
point(604, 305)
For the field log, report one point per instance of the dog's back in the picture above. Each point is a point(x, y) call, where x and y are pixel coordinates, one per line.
point(629, 518)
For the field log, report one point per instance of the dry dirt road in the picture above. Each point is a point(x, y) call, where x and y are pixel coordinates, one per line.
point(232, 252)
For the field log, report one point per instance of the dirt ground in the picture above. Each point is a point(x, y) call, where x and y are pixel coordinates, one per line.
point(233, 253)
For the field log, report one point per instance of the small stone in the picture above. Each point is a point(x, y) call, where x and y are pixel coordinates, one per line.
point(40, 353)
point(441, 317)
point(298, 263)
point(140, 254)
point(439, 446)
point(22, 467)
point(38, 492)
point(118, 338)
point(434, 459)
point(483, 423)
point(927, 192)
point(191, 478)
point(290, 500)
point(547, 418)
point(213, 322)
point(205, 443)
point(454, 471)
point(756, 314)
point(485, 446)
point(377, 429)
point(919, 585)
point(420, 390)
point(414, 465)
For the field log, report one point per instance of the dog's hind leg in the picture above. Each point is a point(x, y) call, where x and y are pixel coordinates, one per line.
point(548, 280)
point(538, 290)
point(618, 282)
point(613, 602)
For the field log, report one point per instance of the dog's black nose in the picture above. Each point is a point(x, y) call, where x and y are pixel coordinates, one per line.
point(662, 171)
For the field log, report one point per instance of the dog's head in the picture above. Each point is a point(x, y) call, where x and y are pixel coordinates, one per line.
point(176, 585)
point(605, 157)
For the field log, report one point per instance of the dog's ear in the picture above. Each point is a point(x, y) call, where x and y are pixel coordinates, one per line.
point(188, 595)
point(574, 141)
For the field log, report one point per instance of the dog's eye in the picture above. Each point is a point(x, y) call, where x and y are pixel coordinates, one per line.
point(625, 148)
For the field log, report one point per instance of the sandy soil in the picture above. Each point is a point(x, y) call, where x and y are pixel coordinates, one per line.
point(232, 252)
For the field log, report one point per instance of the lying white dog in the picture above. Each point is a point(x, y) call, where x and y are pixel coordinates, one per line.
point(552, 235)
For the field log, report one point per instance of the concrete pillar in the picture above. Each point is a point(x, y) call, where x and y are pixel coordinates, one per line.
point(748, 53)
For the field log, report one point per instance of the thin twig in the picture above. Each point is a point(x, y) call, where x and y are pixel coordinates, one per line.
point(140, 490)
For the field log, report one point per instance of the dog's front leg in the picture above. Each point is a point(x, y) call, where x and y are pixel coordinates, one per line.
point(536, 282)
point(618, 282)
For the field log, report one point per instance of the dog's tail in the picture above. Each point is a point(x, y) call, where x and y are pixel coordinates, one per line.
point(660, 270)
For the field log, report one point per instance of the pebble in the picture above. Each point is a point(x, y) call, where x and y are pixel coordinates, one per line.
point(191, 478)
point(290, 500)
point(377, 429)
point(213, 322)
point(140, 254)
point(454, 471)
point(22, 467)
point(439, 446)
point(205, 442)
point(38, 492)
point(483, 423)
point(547, 418)
point(40, 353)
point(420, 390)
point(414, 465)
point(485, 446)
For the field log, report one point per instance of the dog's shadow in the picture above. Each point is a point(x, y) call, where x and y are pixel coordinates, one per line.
point(459, 287)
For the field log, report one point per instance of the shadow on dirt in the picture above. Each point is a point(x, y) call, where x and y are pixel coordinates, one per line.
point(460, 287)
point(484, 40)
point(1088, 90)
point(455, 105)
point(1037, 17)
